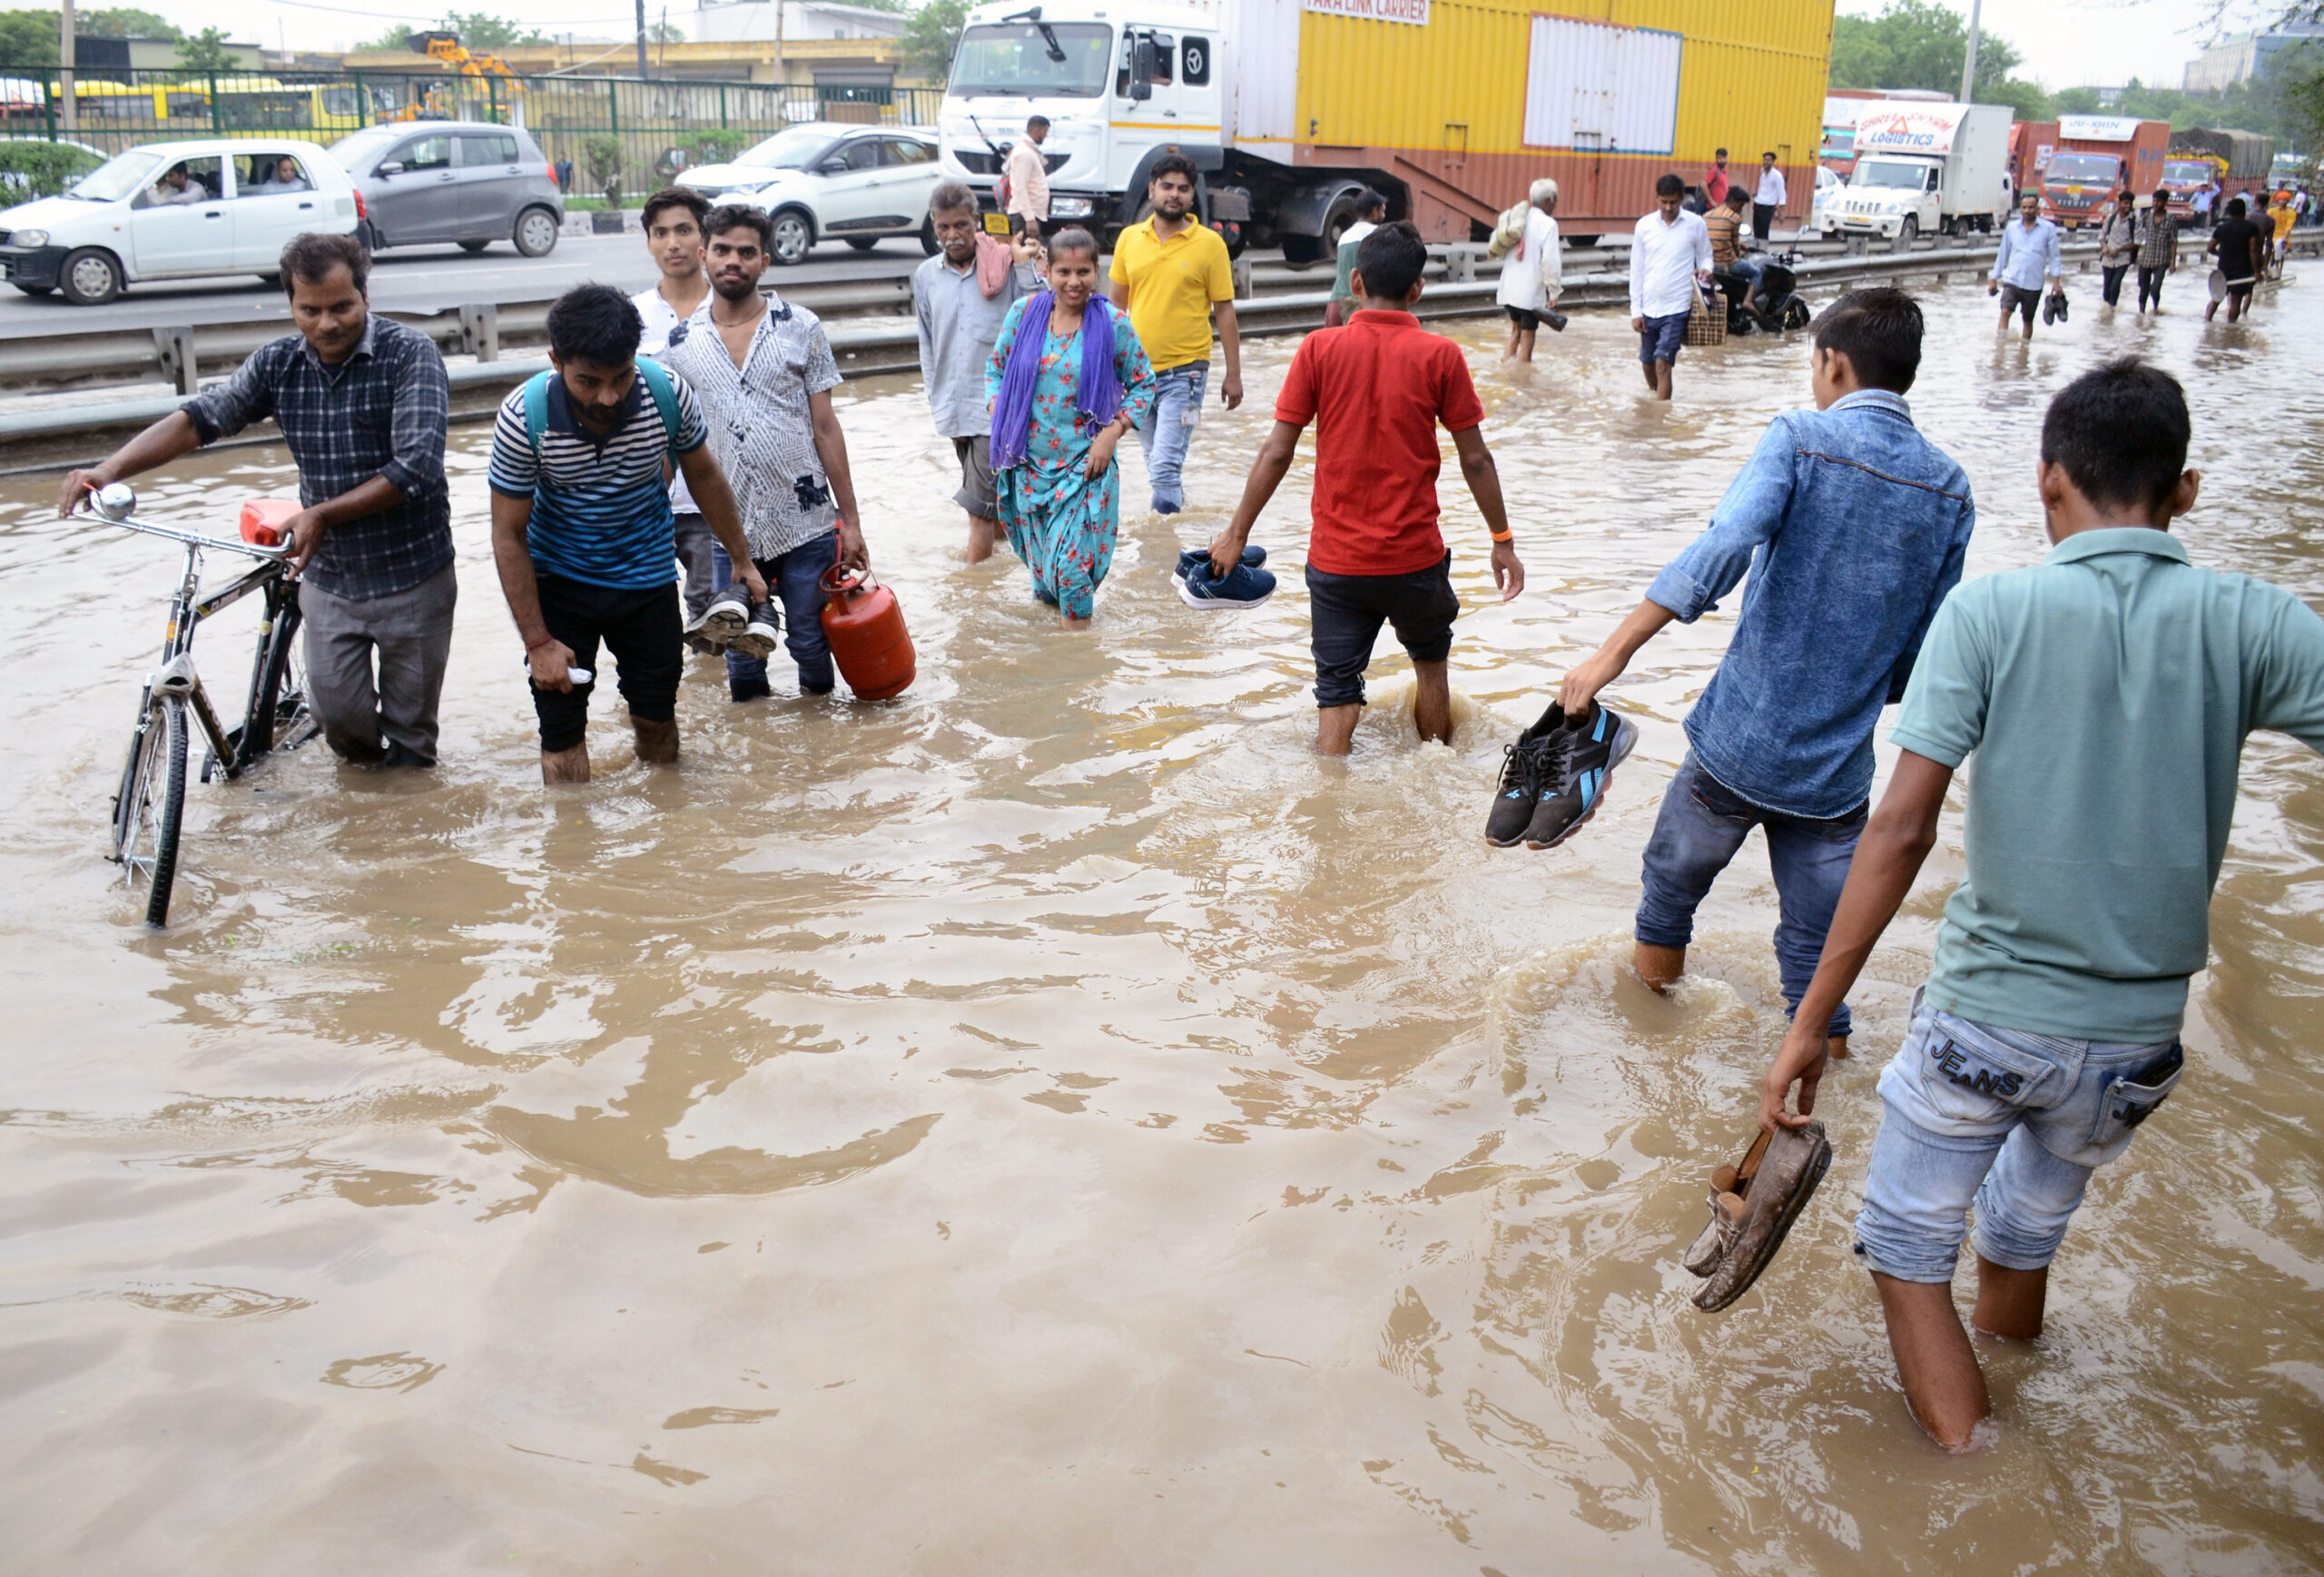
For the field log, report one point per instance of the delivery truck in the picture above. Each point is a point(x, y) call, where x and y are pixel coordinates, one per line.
point(2097, 156)
point(1926, 169)
point(1450, 108)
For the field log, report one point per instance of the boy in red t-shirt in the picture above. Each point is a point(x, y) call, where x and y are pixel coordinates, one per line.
point(1376, 387)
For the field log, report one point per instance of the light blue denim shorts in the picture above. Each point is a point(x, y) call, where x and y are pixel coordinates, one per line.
point(2011, 1121)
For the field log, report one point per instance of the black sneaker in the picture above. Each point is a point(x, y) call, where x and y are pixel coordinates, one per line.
point(1522, 775)
point(722, 620)
point(1595, 744)
point(1556, 320)
point(761, 635)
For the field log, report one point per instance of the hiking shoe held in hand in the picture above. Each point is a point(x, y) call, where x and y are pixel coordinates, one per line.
point(1243, 588)
point(1556, 320)
point(758, 637)
point(1522, 772)
point(1574, 781)
point(722, 620)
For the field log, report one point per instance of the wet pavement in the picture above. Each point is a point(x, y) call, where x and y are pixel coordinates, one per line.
point(1052, 1122)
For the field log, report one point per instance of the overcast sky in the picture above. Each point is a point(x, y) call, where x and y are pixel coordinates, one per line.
point(2066, 43)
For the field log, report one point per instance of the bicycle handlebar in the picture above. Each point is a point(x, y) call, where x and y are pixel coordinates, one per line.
point(191, 537)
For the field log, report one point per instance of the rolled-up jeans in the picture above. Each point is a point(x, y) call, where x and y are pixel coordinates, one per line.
point(2012, 1121)
point(1699, 830)
point(793, 579)
point(1165, 432)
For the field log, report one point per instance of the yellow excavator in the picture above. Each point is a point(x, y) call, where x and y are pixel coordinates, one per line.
point(446, 47)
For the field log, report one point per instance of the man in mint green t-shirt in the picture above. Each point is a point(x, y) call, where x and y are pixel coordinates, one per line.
point(2106, 694)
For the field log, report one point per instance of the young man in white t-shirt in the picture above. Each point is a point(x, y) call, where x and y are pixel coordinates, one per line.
point(673, 224)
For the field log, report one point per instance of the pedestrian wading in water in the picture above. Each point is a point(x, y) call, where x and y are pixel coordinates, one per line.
point(1067, 379)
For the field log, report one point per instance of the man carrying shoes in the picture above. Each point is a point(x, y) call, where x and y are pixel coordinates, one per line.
point(2048, 1031)
point(1377, 391)
point(672, 221)
point(581, 524)
point(764, 372)
point(361, 403)
point(2027, 256)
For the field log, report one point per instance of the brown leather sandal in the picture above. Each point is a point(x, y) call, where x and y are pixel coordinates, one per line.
point(1753, 1206)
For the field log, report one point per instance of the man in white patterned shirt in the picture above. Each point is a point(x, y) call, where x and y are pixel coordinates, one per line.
point(763, 372)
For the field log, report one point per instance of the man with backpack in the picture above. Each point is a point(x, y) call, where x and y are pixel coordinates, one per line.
point(581, 525)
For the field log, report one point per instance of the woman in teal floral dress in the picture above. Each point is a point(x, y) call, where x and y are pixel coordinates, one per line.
point(1059, 409)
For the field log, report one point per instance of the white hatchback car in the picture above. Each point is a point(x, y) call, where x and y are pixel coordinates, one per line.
point(1829, 190)
point(211, 205)
point(830, 181)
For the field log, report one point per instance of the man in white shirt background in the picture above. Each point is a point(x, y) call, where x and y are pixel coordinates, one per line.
point(1670, 262)
point(1533, 277)
point(1028, 181)
point(673, 224)
point(1767, 199)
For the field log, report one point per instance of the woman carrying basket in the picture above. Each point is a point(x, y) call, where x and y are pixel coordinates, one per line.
point(1067, 379)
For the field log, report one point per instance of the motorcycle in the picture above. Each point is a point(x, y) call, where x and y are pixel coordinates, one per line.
point(1778, 308)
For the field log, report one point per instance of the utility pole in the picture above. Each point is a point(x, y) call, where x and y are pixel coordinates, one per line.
point(641, 37)
point(1969, 66)
point(68, 108)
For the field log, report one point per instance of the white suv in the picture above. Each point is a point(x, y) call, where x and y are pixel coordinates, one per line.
point(211, 205)
point(826, 181)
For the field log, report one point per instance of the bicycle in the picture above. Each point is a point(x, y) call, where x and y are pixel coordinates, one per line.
point(149, 806)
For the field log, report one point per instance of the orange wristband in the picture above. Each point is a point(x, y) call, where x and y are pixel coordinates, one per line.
point(1502, 536)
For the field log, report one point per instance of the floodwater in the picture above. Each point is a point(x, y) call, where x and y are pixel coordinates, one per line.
point(1053, 1123)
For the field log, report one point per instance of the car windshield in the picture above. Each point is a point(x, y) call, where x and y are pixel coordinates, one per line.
point(358, 149)
point(2197, 173)
point(1067, 60)
point(2093, 168)
point(117, 177)
point(1896, 173)
point(792, 150)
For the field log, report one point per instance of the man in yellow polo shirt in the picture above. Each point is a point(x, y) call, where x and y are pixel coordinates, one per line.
point(1169, 274)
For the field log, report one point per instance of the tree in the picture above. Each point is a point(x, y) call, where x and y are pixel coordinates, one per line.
point(124, 24)
point(483, 32)
point(665, 33)
point(1920, 43)
point(28, 37)
point(32, 168)
point(603, 155)
point(933, 36)
point(206, 51)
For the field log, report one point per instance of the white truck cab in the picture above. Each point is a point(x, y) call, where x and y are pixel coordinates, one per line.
point(1118, 84)
point(1926, 169)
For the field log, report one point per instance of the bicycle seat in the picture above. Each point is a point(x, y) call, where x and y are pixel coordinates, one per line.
point(264, 521)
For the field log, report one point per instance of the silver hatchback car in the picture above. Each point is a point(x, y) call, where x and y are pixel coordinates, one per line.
point(429, 182)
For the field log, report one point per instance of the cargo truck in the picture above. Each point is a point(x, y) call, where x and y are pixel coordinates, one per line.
point(1924, 169)
point(2097, 156)
point(1450, 108)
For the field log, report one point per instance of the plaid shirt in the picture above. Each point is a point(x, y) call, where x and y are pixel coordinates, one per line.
point(381, 412)
point(2158, 239)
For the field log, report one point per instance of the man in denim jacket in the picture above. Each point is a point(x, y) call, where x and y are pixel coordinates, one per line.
point(1853, 527)
point(2106, 694)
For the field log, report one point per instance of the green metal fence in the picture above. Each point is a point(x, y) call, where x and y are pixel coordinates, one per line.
point(661, 125)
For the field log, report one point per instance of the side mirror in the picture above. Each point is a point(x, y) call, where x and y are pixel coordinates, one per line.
point(1142, 66)
point(390, 168)
point(832, 167)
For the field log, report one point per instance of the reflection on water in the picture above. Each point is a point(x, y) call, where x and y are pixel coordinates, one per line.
point(1052, 1122)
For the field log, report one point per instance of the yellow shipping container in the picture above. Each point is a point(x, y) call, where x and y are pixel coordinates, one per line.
point(1466, 101)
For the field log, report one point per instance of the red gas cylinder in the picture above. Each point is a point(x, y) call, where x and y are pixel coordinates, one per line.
point(866, 631)
point(265, 521)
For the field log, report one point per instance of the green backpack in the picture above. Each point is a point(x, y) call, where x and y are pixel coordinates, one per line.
point(654, 376)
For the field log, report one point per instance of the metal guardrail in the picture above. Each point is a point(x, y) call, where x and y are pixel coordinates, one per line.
point(867, 352)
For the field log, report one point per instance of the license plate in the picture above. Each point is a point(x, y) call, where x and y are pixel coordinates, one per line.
point(997, 224)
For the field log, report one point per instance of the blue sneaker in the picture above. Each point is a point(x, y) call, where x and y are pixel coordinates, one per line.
point(1576, 776)
point(1192, 557)
point(1245, 587)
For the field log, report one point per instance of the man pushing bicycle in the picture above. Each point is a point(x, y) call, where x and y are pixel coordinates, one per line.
point(363, 404)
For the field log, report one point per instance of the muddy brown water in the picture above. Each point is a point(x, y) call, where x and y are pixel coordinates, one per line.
point(1053, 1123)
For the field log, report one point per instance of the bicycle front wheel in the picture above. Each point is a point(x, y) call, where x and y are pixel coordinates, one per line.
point(153, 806)
point(279, 717)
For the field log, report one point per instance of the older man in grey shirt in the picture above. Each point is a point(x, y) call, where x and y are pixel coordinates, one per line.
point(959, 300)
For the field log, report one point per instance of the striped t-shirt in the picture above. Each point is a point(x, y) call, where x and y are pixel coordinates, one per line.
point(600, 511)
